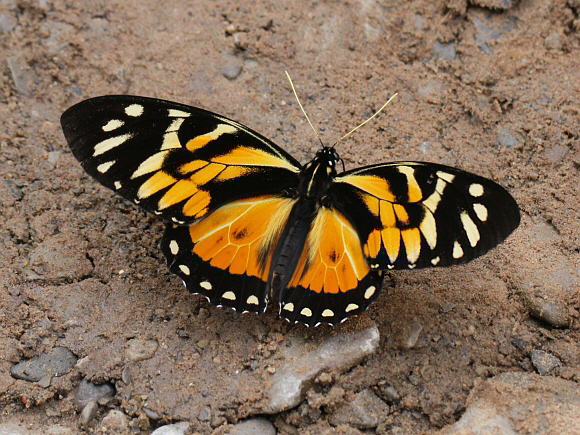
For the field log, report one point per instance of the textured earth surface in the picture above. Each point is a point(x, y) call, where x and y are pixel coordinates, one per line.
point(492, 87)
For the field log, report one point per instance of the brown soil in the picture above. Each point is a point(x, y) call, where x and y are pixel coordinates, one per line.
point(492, 91)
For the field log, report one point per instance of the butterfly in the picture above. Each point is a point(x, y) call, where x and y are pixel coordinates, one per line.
point(247, 222)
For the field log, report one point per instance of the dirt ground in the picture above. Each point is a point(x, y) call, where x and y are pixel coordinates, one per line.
point(492, 87)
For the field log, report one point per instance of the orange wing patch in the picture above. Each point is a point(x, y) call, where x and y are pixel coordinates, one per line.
point(236, 236)
point(333, 256)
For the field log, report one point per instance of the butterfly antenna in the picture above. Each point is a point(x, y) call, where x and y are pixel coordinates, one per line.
point(360, 125)
point(302, 108)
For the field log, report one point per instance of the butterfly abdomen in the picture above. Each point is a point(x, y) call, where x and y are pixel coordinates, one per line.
point(291, 244)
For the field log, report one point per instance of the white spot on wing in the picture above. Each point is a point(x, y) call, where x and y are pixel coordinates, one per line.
point(205, 285)
point(457, 250)
point(351, 307)
point(288, 307)
point(229, 295)
point(446, 176)
point(175, 125)
point(113, 124)
point(327, 313)
point(184, 269)
point(151, 164)
point(173, 247)
point(117, 185)
point(476, 190)
point(171, 140)
point(428, 228)
point(370, 292)
point(480, 211)
point(109, 144)
point(134, 110)
point(104, 167)
point(470, 229)
point(435, 261)
point(174, 113)
point(306, 312)
point(252, 300)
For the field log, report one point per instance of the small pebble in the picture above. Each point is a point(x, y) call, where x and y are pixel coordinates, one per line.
point(151, 414)
point(172, 429)
point(553, 41)
point(204, 414)
point(126, 375)
point(253, 426)
point(56, 362)
point(365, 411)
point(506, 139)
point(544, 362)
point(232, 71)
point(88, 392)
point(550, 312)
point(88, 413)
point(140, 350)
point(202, 344)
point(45, 382)
point(115, 421)
point(410, 334)
point(389, 393)
point(414, 379)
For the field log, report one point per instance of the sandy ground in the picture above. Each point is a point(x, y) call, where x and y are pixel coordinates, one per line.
point(492, 87)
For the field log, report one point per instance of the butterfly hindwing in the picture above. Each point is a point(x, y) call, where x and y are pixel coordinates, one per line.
point(226, 256)
point(413, 215)
point(177, 161)
point(332, 280)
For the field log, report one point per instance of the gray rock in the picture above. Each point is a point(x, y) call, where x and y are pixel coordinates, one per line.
point(553, 41)
point(45, 382)
point(204, 414)
point(304, 361)
point(506, 139)
point(232, 70)
point(520, 403)
point(254, 426)
point(544, 362)
point(409, 334)
point(88, 413)
point(172, 429)
point(550, 312)
point(22, 74)
point(139, 350)
point(7, 23)
point(57, 362)
point(445, 51)
point(115, 421)
point(88, 392)
point(366, 411)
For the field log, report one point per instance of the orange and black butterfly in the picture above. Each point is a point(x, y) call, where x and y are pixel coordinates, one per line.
point(246, 221)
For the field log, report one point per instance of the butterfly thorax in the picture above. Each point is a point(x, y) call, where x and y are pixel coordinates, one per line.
point(317, 175)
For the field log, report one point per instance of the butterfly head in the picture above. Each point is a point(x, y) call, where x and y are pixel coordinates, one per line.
point(329, 157)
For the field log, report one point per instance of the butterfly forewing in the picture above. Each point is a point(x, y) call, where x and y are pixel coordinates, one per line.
point(412, 215)
point(177, 161)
